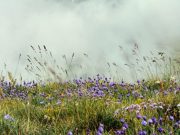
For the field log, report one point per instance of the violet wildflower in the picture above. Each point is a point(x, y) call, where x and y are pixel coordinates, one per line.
point(98, 133)
point(125, 125)
point(70, 133)
point(138, 116)
point(160, 129)
point(120, 132)
point(144, 123)
point(124, 129)
point(8, 117)
point(150, 121)
point(160, 120)
point(171, 118)
point(138, 81)
point(177, 125)
point(88, 132)
point(154, 120)
point(101, 128)
point(111, 84)
point(142, 132)
point(144, 117)
point(127, 95)
point(122, 120)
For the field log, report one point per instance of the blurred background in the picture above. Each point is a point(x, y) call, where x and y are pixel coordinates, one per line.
point(100, 35)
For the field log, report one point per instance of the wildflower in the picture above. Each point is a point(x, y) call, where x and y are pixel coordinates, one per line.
point(101, 128)
point(8, 117)
point(70, 133)
point(58, 102)
point(177, 124)
point(111, 84)
point(172, 78)
point(122, 120)
point(123, 128)
point(144, 118)
point(161, 107)
point(142, 132)
point(160, 120)
point(41, 102)
point(138, 81)
point(127, 95)
point(125, 125)
point(98, 133)
point(160, 129)
point(150, 121)
point(154, 120)
point(138, 116)
point(144, 123)
point(171, 118)
point(120, 132)
point(88, 132)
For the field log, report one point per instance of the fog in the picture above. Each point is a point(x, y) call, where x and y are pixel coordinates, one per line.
point(94, 27)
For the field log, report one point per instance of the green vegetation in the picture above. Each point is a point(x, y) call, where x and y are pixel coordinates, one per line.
point(95, 105)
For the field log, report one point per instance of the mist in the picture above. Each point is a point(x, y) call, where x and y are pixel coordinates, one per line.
point(94, 27)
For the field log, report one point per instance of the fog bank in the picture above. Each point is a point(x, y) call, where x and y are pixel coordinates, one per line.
point(94, 27)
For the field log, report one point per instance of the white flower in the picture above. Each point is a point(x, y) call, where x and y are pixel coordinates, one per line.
point(172, 78)
point(158, 82)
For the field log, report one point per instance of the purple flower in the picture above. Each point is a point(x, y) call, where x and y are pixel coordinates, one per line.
point(144, 123)
point(160, 120)
point(171, 118)
point(138, 116)
point(150, 121)
point(122, 120)
point(8, 117)
point(160, 129)
point(111, 84)
point(142, 133)
point(120, 132)
point(154, 120)
point(125, 125)
point(144, 118)
point(98, 133)
point(176, 125)
point(138, 81)
point(70, 133)
point(88, 132)
point(127, 95)
point(101, 128)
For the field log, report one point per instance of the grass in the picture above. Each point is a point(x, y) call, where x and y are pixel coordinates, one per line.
point(95, 105)
point(58, 108)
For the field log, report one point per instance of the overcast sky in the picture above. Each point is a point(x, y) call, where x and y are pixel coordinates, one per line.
point(95, 27)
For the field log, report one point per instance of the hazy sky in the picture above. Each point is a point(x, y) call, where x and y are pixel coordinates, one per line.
point(95, 27)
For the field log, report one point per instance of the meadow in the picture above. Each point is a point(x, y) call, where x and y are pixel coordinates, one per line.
point(95, 105)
